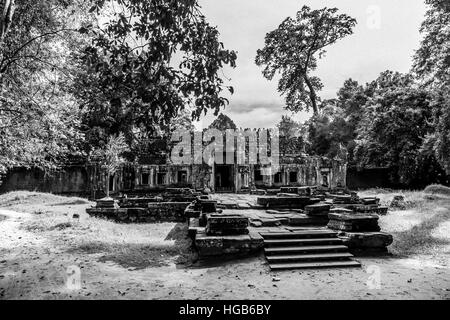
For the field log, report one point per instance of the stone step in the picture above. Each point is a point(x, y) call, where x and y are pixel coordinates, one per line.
point(301, 234)
point(290, 242)
point(309, 257)
point(314, 265)
point(305, 249)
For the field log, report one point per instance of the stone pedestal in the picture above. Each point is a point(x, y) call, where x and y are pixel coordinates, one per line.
point(223, 224)
point(319, 209)
point(109, 203)
point(365, 240)
point(353, 222)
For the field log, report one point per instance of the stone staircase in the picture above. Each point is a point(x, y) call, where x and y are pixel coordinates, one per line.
point(307, 248)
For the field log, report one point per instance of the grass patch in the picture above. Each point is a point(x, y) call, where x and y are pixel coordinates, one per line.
point(143, 255)
point(437, 189)
point(419, 238)
point(61, 226)
point(21, 199)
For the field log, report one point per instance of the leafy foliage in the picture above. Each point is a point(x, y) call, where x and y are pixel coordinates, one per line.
point(293, 50)
point(110, 157)
point(222, 123)
point(38, 117)
point(292, 139)
point(432, 59)
point(151, 61)
point(432, 66)
point(394, 127)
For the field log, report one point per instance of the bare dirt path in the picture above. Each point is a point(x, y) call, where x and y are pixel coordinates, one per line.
point(41, 247)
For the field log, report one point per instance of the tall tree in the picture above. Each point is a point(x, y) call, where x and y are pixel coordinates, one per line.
point(432, 66)
point(395, 125)
point(432, 59)
point(148, 63)
point(291, 136)
point(295, 47)
point(38, 117)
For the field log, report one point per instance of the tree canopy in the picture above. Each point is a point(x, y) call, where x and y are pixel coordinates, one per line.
point(151, 61)
point(38, 116)
point(294, 48)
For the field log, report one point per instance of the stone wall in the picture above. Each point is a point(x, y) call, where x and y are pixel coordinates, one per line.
point(73, 180)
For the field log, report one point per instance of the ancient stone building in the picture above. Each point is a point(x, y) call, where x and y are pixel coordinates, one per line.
point(152, 172)
point(293, 170)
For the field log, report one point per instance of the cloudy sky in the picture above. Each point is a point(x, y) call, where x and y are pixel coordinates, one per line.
point(385, 38)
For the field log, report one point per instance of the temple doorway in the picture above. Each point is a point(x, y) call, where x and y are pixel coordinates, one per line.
point(224, 178)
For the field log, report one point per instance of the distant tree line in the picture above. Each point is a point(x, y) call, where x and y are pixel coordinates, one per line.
point(74, 74)
point(398, 121)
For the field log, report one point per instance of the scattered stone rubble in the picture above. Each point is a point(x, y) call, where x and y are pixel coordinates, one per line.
point(220, 228)
point(356, 219)
point(169, 206)
point(398, 203)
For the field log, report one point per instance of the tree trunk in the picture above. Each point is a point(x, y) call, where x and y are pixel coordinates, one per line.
point(312, 95)
point(7, 11)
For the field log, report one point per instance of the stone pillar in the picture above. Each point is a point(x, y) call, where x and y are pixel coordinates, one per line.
point(152, 177)
point(137, 177)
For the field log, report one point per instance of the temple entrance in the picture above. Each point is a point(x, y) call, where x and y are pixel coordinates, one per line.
point(224, 179)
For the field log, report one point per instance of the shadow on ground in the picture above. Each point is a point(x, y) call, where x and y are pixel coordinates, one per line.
point(137, 256)
point(229, 260)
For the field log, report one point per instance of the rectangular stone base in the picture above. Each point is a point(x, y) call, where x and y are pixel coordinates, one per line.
point(353, 226)
point(224, 245)
point(224, 224)
point(365, 240)
point(298, 202)
point(305, 220)
point(155, 212)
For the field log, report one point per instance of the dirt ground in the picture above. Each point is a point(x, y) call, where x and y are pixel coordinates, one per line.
point(46, 253)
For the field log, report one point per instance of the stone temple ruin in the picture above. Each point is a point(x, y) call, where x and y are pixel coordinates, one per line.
point(301, 216)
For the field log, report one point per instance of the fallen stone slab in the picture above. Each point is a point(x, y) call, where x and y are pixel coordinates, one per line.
point(344, 216)
point(168, 211)
point(227, 205)
point(105, 212)
point(205, 206)
point(287, 195)
point(259, 192)
point(398, 203)
point(364, 240)
point(318, 209)
point(286, 211)
point(370, 201)
point(371, 209)
point(136, 202)
point(230, 244)
point(298, 202)
point(224, 224)
point(353, 222)
point(341, 210)
point(272, 191)
point(243, 206)
point(261, 222)
point(305, 220)
point(107, 203)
